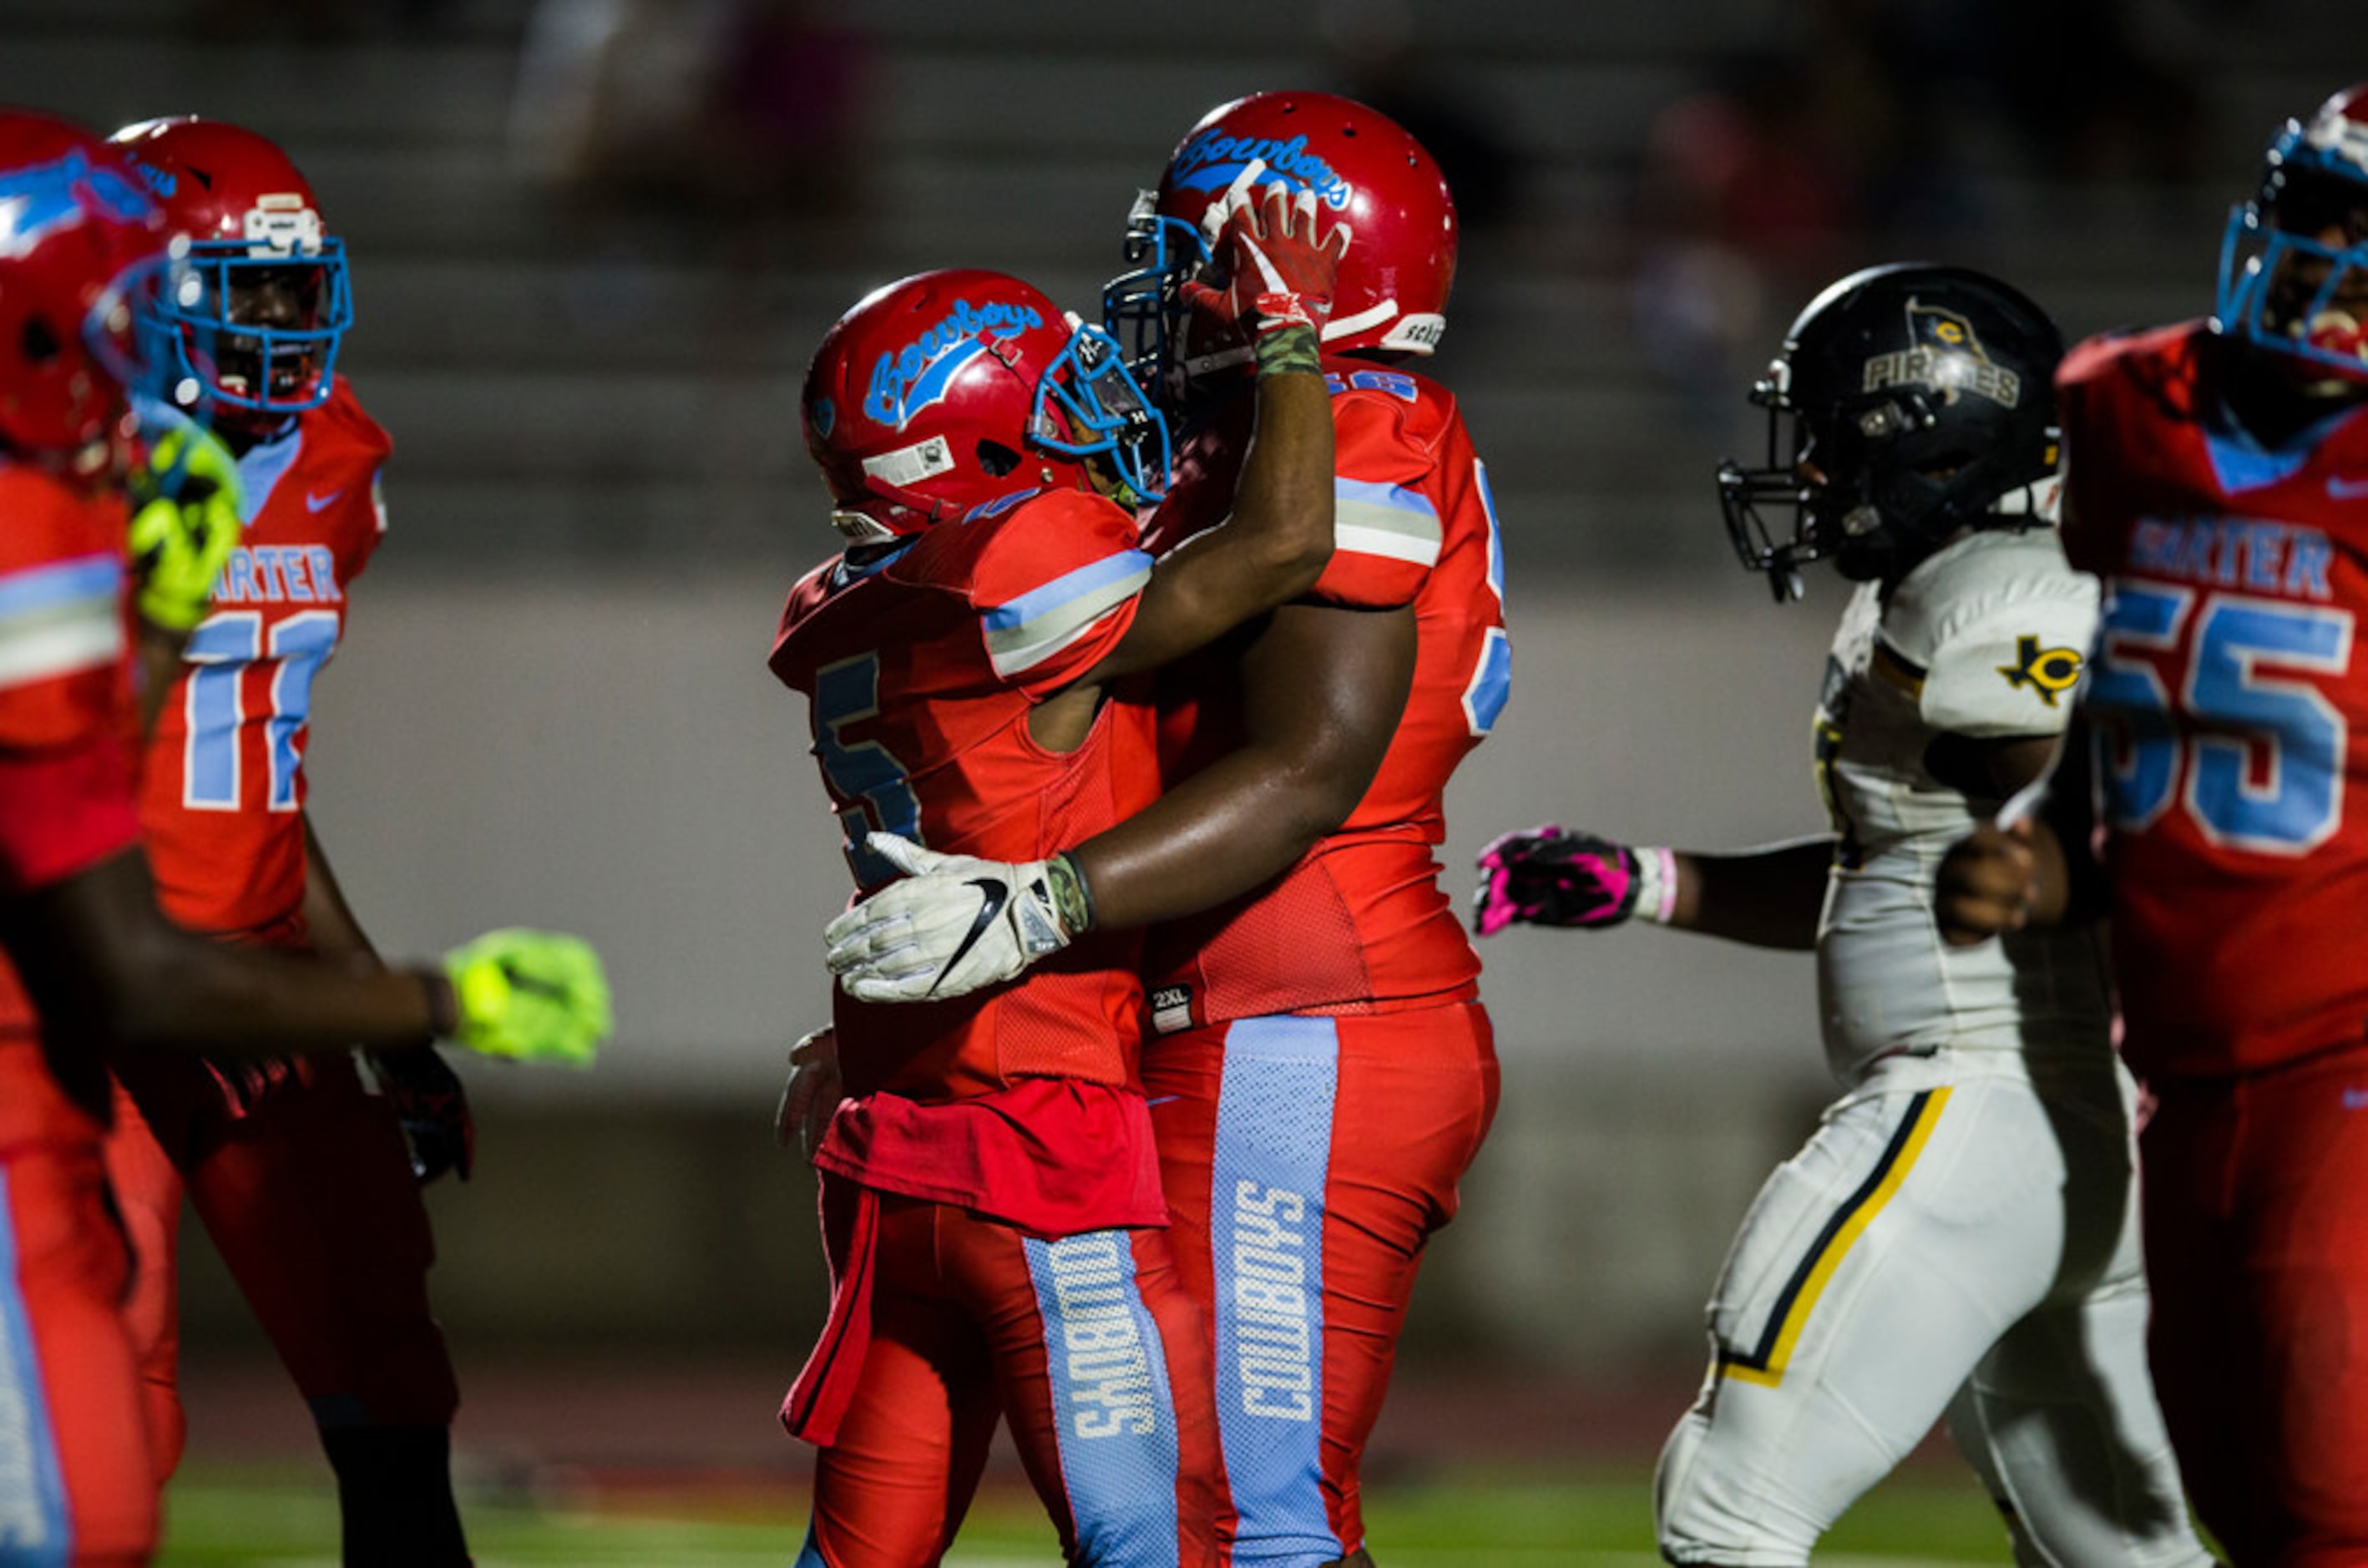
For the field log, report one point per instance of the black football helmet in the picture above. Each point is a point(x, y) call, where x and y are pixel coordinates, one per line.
point(1921, 399)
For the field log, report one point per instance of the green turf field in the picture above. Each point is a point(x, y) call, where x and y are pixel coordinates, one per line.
point(289, 1518)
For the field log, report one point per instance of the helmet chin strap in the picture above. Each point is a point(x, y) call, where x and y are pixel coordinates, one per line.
point(2041, 499)
point(1199, 365)
point(860, 527)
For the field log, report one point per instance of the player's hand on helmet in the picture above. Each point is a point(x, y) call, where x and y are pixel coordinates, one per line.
point(1276, 262)
point(1547, 876)
point(427, 1098)
point(530, 996)
point(812, 1096)
point(953, 924)
point(1984, 884)
point(184, 500)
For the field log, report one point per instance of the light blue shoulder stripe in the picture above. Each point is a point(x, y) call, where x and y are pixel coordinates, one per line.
point(58, 618)
point(1371, 518)
point(41, 589)
point(1042, 621)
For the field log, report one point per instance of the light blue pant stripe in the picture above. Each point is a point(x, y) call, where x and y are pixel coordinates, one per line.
point(35, 1530)
point(810, 1555)
point(1114, 1415)
point(1266, 1225)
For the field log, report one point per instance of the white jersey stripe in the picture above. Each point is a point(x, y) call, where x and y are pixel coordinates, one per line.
point(1023, 634)
point(1388, 521)
point(59, 619)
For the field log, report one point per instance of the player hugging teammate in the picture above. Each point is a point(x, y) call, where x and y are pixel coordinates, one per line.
point(991, 1201)
point(1318, 1068)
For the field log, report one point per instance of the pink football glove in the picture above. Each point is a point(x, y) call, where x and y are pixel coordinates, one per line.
point(1277, 262)
point(1545, 876)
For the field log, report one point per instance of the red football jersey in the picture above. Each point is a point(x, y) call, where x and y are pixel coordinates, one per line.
point(2232, 719)
point(65, 770)
point(63, 679)
point(922, 668)
point(1360, 924)
point(222, 790)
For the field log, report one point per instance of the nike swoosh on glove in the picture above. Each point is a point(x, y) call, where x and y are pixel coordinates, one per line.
point(952, 924)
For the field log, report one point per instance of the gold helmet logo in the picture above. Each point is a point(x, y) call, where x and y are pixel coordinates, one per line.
point(1944, 354)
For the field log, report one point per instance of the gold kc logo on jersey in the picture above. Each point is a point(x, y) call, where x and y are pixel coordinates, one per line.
point(2050, 672)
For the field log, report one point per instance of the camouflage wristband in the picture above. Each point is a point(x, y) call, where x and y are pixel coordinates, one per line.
point(1289, 350)
point(1072, 900)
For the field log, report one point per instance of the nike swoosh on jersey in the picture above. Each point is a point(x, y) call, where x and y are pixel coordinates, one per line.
point(314, 502)
point(2343, 489)
point(996, 893)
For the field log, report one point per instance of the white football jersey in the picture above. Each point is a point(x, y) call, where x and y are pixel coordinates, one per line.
point(1985, 639)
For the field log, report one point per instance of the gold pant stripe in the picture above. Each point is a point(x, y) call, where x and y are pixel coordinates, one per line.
point(1766, 1363)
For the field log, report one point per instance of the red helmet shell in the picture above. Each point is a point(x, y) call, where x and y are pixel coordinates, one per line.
point(1393, 284)
point(78, 238)
point(218, 181)
point(920, 402)
point(2339, 129)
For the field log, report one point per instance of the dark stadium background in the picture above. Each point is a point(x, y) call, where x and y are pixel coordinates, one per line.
point(593, 242)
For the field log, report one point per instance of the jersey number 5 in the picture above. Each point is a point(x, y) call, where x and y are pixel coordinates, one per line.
point(2244, 722)
point(871, 785)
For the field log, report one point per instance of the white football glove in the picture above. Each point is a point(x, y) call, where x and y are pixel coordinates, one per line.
point(952, 924)
point(811, 1098)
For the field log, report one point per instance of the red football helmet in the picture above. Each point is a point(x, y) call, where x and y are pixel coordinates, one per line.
point(1392, 287)
point(262, 301)
point(81, 247)
point(935, 395)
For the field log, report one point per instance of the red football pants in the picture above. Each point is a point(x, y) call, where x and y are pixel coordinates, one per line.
point(1087, 1345)
point(1306, 1161)
point(310, 1202)
point(75, 1486)
point(2256, 1192)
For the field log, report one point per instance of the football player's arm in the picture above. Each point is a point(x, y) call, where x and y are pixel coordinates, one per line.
point(1770, 897)
point(1275, 543)
point(100, 958)
point(102, 961)
point(2003, 691)
point(1323, 690)
point(1270, 549)
point(329, 920)
point(158, 669)
point(426, 1094)
point(2038, 870)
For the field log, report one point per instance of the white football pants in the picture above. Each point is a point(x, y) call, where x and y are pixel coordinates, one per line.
point(1968, 1247)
